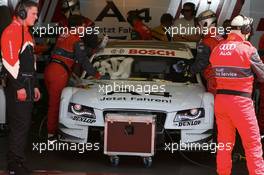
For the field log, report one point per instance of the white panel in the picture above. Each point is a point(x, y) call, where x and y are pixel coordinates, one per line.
point(3, 2)
point(2, 106)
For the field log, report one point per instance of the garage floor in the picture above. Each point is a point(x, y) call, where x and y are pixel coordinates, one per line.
point(95, 163)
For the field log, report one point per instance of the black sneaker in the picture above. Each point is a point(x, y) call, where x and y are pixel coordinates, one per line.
point(52, 137)
point(16, 168)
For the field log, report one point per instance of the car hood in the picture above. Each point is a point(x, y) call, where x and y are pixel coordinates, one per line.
point(177, 96)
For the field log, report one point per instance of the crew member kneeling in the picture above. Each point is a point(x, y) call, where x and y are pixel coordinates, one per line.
point(68, 50)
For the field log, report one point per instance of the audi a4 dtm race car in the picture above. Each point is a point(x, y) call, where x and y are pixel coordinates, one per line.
point(139, 81)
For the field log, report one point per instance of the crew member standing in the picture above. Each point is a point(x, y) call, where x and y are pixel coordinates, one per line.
point(233, 62)
point(21, 90)
point(206, 19)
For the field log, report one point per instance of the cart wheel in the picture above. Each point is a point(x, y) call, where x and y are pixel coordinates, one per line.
point(147, 161)
point(3, 130)
point(114, 160)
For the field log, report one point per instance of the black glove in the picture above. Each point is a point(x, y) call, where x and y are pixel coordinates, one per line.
point(187, 72)
point(182, 67)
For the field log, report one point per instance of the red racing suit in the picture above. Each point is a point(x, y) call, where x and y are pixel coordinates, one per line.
point(141, 30)
point(261, 89)
point(204, 49)
point(68, 50)
point(233, 62)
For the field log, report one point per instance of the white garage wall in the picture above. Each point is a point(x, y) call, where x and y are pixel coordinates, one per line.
point(256, 12)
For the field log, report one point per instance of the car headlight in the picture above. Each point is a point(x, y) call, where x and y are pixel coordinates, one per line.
point(190, 114)
point(81, 110)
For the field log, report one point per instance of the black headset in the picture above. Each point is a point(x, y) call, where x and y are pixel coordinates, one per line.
point(22, 14)
point(21, 11)
point(246, 28)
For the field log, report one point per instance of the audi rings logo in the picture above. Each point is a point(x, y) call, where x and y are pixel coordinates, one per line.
point(226, 47)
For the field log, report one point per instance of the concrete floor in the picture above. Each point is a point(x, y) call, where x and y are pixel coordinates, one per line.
point(92, 163)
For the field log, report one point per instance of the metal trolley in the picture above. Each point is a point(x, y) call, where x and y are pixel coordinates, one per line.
point(132, 135)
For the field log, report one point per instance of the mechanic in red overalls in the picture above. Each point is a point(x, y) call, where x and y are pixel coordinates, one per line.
point(63, 10)
point(233, 62)
point(68, 50)
point(261, 90)
point(204, 48)
point(140, 30)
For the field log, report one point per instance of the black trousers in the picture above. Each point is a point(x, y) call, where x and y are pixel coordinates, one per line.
point(19, 122)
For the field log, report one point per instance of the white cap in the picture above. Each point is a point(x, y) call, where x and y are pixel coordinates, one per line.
point(69, 3)
point(241, 20)
point(207, 18)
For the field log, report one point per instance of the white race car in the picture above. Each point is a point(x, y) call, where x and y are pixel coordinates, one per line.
point(139, 78)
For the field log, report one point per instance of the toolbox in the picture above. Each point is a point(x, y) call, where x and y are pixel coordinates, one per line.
point(132, 135)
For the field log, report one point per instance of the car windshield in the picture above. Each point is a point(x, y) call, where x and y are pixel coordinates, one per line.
point(131, 67)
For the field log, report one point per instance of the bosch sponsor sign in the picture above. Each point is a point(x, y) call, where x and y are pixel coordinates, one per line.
point(152, 52)
point(141, 51)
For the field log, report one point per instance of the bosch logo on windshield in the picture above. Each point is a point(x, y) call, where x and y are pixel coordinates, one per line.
point(152, 52)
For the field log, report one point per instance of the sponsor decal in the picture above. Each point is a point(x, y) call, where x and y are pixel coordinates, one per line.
point(188, 123)
point(220, 72)
point(83, 119)
point(152, 52)
point(142, 99)
point(226, 74)
point(226, 49)
point(117, 51)
point(232, 72)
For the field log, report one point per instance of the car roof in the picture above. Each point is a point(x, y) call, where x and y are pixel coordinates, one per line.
point(181, 50)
